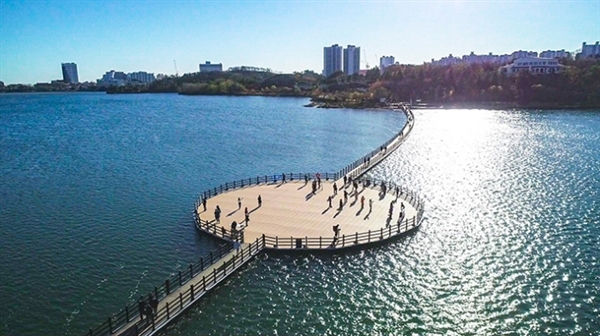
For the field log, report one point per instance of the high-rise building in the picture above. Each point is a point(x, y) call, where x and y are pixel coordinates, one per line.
point(69, 72)
point(351, 60)
point(386, 61)
point(332, 59)
point(208, 67)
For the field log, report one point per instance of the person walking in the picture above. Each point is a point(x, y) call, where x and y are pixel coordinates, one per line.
point(391, 208)
point(345, 196)
point(335, 188)
point(259, 201)
point(345, 180)
point(362, 202)
point(204, 203)
point(283, 178)
point(341, 205)
point(329, 200)
point(319, 180)
point(370, 205)
point(153, 303)
point(239, 202)
point(247, 219)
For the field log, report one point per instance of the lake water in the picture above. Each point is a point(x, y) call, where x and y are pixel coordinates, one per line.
point(97, 191)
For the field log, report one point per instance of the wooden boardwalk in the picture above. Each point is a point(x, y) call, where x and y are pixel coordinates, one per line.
point(291, 217)
point(292, 210)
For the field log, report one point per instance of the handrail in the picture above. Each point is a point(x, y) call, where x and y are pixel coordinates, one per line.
point(131, 311)
point(195, 291)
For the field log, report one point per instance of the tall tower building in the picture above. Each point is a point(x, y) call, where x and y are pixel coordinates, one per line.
point(351, 60)
point(386, 61)
point(332, 59)
point(69, 71)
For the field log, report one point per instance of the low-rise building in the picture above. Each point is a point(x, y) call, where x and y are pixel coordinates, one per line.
point(534, 65)
point(113, 78)
point(208, 67)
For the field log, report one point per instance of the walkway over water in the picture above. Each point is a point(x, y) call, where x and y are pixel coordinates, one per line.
point(292, 217)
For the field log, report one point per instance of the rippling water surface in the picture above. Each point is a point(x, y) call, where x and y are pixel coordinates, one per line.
point(96, 194)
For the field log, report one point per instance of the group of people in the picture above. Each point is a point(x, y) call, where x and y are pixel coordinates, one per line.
point(149, 308)
point(391, 211)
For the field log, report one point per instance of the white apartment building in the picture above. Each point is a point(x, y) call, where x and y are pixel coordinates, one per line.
point(351, 60)
point(590, 50)
point(141, 77)
point(555, 54)
point(534, 65)
point(208, 67)
point(386, 61)
point(332, 59)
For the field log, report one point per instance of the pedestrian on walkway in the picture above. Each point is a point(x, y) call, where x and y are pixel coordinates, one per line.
point(329, 200)
point(204, 203)
point(259, 201)
point(305, 179)
point(247, 219)
point(217, 214)
point(370, 205)
point(239, 202)
point(345, 180)
point(314, 187)
point(319, 180)
point(334, 188)
point(336, 230)
point(142, 307)
point(391, 208)
point(397, 191)
point(283, 178)
point(153, 303)
point(246, 211)
point(345, 196)
point(362, 202)
point(341, 205)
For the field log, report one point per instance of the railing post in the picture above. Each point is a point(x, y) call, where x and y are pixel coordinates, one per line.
point(220, 255)
point(343, 240)
point(180, 278)
point(381, 234)
point(180, 301)
point(110, 325)
point(191, 271)
point(204, 283)
point(167, 287)
point(156, 292)
point(168, 313)
point(389, 231)
point(356, 239)
point(211, 257)
point(191, 292)
point(320, 242)
point(91, 332)
point(202, 264)
point(369, 236)
point(215, 275)
point(127, 314)
point(277, 241)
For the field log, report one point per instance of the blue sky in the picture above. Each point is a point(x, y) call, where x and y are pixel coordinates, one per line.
point(36, 36)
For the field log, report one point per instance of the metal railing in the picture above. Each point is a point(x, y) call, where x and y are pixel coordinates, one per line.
point(131, 311)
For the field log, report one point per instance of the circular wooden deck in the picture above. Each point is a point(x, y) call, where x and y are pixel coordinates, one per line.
point(292, 210)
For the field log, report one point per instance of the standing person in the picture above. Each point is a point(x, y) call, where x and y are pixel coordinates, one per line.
point(397, 191)
point(334, 188)
point(319, 180)
point(259, 201)
point(153, 303)
point(362, 202)
point(341, 204)
point(329, 200)
point(391, 208)
point(204, 203)
point(402, 206)
point(314, 186)
point(336, 230)
point(246, 211)
point(370, 205)
point(283, 178)
point(345, 196)
point(345, 180)
point(239, 202)
point(247, 219)
point(217, 214)
point(305, 178)
point(142, 307)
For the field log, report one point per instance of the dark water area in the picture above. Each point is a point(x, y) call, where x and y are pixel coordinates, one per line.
point(97, 191)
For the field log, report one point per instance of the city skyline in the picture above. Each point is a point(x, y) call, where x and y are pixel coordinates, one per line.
point(36, 37)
